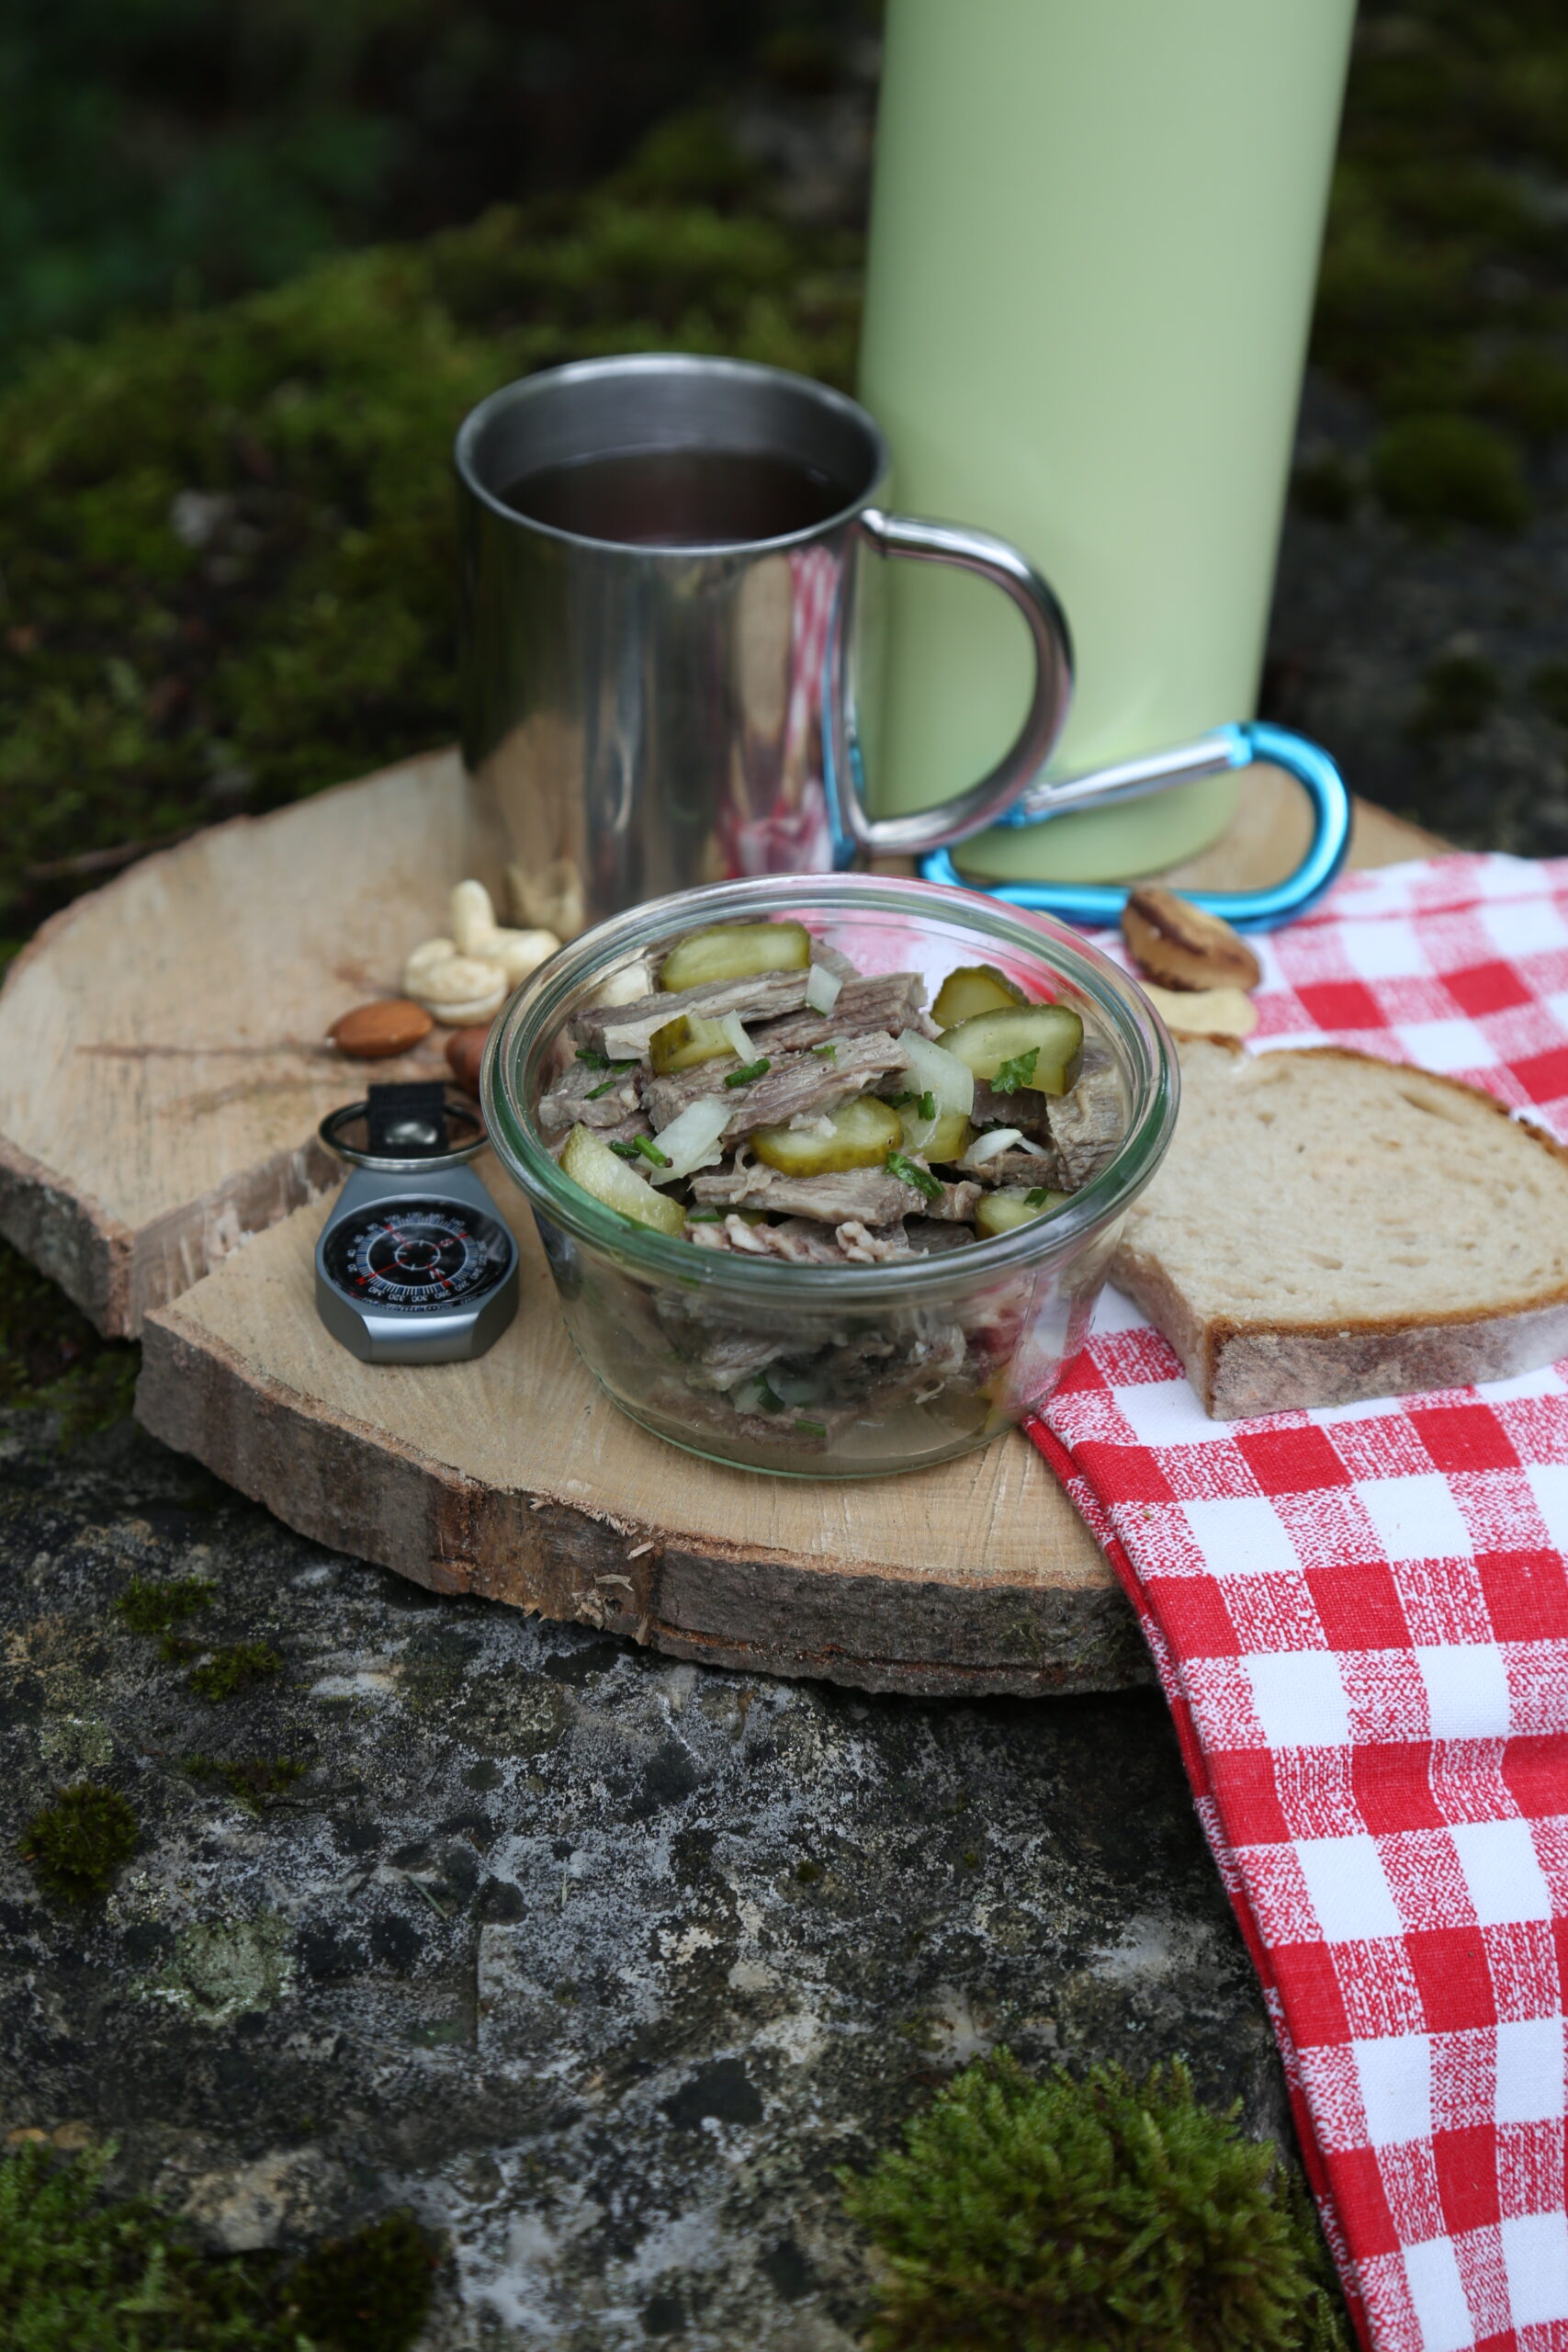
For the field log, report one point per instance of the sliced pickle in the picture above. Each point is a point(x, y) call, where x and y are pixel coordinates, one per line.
point(1011, 1204)
point(864, 1132)
point(972, 989)
point(688, 1039)
point(1052, 1032)
point(589, 1162)
point(736, 951)
point(948, 1136)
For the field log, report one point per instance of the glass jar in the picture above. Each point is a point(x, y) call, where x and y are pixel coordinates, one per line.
point(864, 1369)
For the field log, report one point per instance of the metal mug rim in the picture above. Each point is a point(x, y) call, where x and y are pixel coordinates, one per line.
point(545, 380)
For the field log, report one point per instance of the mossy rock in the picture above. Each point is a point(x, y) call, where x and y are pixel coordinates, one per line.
point(152, 1604)
point(1550, 687)
point(1459, 692)
point(82, 2273)
point(78, 1846)
point(51, 1357)
point(1089, 2216)
point(231, 576)
point(1433, 470)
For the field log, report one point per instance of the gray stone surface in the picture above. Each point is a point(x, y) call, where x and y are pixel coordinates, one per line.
point(603, 1964)
point(1366, 610)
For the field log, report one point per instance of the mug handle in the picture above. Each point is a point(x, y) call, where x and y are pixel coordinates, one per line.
point(967, 812)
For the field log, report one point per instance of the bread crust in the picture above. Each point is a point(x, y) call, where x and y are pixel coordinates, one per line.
point(1244, 1366)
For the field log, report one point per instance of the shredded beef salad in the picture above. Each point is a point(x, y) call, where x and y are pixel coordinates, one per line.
point(766, 1099)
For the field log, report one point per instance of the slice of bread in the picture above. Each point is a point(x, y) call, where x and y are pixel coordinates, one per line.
point(1328, 1227)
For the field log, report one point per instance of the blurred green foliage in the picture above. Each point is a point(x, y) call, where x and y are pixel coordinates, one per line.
point(83, 2272)
point(1443, 296)
point(227, 568)
point(157, 153)
point(225, 536)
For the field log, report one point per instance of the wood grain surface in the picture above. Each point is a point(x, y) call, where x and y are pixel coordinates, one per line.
point(164, 1057)
point(162, 1067)
point(516, 1479)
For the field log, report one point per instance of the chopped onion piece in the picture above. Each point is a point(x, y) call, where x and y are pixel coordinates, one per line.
point(691, 1140)
point(626, 986)
point(822, 989)
point(1035, 1150)
point(730, 1024)
point(933, 1071)
point(989, 1146)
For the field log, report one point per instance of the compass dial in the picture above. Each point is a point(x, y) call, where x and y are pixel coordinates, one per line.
point(417, 1257)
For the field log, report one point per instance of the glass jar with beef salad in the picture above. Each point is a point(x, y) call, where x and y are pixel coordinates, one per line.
point(828, 1169)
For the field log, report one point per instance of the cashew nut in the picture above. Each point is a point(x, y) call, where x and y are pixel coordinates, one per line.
point(476, 932)
point(468, 976)
point(426, 959)
point(520, 952)
point(472, 918)
point(454, 988)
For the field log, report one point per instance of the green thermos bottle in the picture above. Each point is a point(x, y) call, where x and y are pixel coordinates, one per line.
point(1095, 231)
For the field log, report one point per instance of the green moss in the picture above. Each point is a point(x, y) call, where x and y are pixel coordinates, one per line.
point(369, 2292)
point(51, 1357)
point(1093, 2216)
point(1550, 687)
point(151, 1606)
point(77, 2271)
point(1457, 693)
point(1324, 488)
point(251, 1780)
point(165, 659)
point(236, 1668)
point(77, 1846)
point(81, 2273)
point(1440, 250)
point(1431, 471)
point(1529, 388)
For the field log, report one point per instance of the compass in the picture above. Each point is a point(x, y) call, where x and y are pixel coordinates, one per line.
point(413, 1264)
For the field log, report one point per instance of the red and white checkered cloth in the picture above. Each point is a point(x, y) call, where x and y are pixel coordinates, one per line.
point(1360, 1620)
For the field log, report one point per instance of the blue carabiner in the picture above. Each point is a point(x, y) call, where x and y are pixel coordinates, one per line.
point(1096, 904)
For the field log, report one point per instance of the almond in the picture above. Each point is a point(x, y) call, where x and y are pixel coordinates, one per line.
point(374, 1033)
point(1180, 946)
point(465, 1049)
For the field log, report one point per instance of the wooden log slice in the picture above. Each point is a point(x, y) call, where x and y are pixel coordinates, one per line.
point(163, 1055)
point(516, 1479)
point(163, 1065)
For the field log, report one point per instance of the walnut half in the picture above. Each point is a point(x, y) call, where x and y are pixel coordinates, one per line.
point(1181, 947)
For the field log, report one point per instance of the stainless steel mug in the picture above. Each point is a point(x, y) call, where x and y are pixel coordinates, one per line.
point(638, 718)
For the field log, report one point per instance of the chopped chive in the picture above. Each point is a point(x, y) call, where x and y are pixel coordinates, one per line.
point(928, 1104)
point(595, 1061)
point(1037, 1198)
point(901, 1102)
point(748, 1070)
point(829, 1053)
point(594, 1092)
point(913, 1173)
point(641, 1148)
point(812, 1429)
point(703, 1216)
point(1016, 1072)
point(767, 1402)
